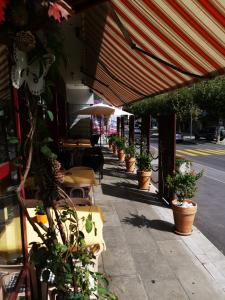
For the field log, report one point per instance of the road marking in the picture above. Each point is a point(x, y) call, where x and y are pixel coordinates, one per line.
point(196, 152)
point(217, 152)
point(187, 153)
point(213, 178)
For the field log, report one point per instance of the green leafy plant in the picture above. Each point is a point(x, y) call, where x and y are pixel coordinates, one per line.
point(71, 262)
point(112, 138)
point(130, 151)
point(144, 162)
point(120, 143)
point(40, 210)
point(180, 160)
point(183, 184)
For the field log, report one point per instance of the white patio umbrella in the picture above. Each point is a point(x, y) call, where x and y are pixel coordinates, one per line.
point(99, 109)
point(119, 112)
point(102, 109)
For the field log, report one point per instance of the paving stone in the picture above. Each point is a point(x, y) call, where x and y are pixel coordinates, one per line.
point(111, 216)
point(171, 248)
point(220, 265)
point(118, 261)
point(190, 242)
point(197, 284)
point(152, 266)
point(160, 229)
point(165, 290)
point(125, 210)
point(177, 254)
point(114, 236)
point(128, 288)
point(139, 239)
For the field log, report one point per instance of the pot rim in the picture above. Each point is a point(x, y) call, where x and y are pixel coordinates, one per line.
point(174, 204)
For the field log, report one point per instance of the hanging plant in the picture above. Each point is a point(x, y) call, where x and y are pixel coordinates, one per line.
point(3, 4)
point(59, 10)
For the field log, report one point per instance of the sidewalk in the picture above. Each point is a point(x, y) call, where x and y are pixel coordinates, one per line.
point(144, 258)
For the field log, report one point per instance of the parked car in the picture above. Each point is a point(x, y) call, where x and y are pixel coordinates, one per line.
point(137, 130)
point(210, 133)
point(179, 137)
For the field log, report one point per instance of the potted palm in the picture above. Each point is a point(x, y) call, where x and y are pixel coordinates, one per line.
point(144, 170)
point(184, 208)
point(120, 143)
point(130, 158)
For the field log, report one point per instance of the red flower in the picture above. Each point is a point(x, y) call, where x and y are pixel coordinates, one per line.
point(57, 11)
point(3, 4)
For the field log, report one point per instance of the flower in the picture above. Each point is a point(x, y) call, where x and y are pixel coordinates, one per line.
point(58, 11)
point(3, 4)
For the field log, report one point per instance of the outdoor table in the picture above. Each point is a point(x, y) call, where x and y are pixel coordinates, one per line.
point(77, 143)
point(74, 145)
point(79, 176)
point(93, 238)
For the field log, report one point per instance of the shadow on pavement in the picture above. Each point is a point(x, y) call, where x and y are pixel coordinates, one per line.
point(119, 172)
point(121, 191)
point(142, 221)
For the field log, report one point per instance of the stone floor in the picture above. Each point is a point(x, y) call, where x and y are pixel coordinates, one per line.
point(144, 258)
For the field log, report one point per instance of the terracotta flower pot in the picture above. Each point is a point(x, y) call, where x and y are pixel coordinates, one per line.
point(110, 146)
point(121, 155)
point(41, 219)
point(114, 148)
point(144, 179)
point(184, 217)
point(130, 164)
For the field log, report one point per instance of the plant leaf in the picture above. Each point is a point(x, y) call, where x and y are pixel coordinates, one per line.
point(50, 115)
point(48, 152)
point(88, 225)
point(13, 140)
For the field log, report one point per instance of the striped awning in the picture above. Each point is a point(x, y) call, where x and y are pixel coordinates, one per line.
point(4, 74)
point(140, 48)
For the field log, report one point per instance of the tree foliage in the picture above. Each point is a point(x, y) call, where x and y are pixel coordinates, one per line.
point(207, 96)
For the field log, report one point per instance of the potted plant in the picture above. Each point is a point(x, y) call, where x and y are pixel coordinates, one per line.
point(184, 208)
point(111, 140)
point(71, 262)
point(41, 216)
point(120, 143)
point(182, 164)
point(114, 144)
point(130, 158)
point(144, 170)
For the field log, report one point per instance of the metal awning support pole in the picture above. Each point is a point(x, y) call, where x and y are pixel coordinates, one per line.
point(101, 131)
point(167, 150)
point(142, 134)
point(148, 133)
point(118, 126)
point(122, 127)
point(131, 130)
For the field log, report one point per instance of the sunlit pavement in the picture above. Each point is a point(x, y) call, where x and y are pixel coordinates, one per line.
point(144, 258)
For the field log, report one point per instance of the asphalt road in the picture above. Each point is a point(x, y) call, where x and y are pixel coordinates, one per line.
point(210, 218)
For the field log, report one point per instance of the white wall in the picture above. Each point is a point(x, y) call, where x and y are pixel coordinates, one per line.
point(79, 97)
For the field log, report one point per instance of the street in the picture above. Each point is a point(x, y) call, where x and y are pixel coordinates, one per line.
point(210, 218)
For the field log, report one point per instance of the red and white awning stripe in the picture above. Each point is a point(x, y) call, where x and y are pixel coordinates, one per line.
point(4, 74)
point(139, 48)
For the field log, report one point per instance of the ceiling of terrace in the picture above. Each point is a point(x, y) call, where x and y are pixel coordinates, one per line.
point(138, 48)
